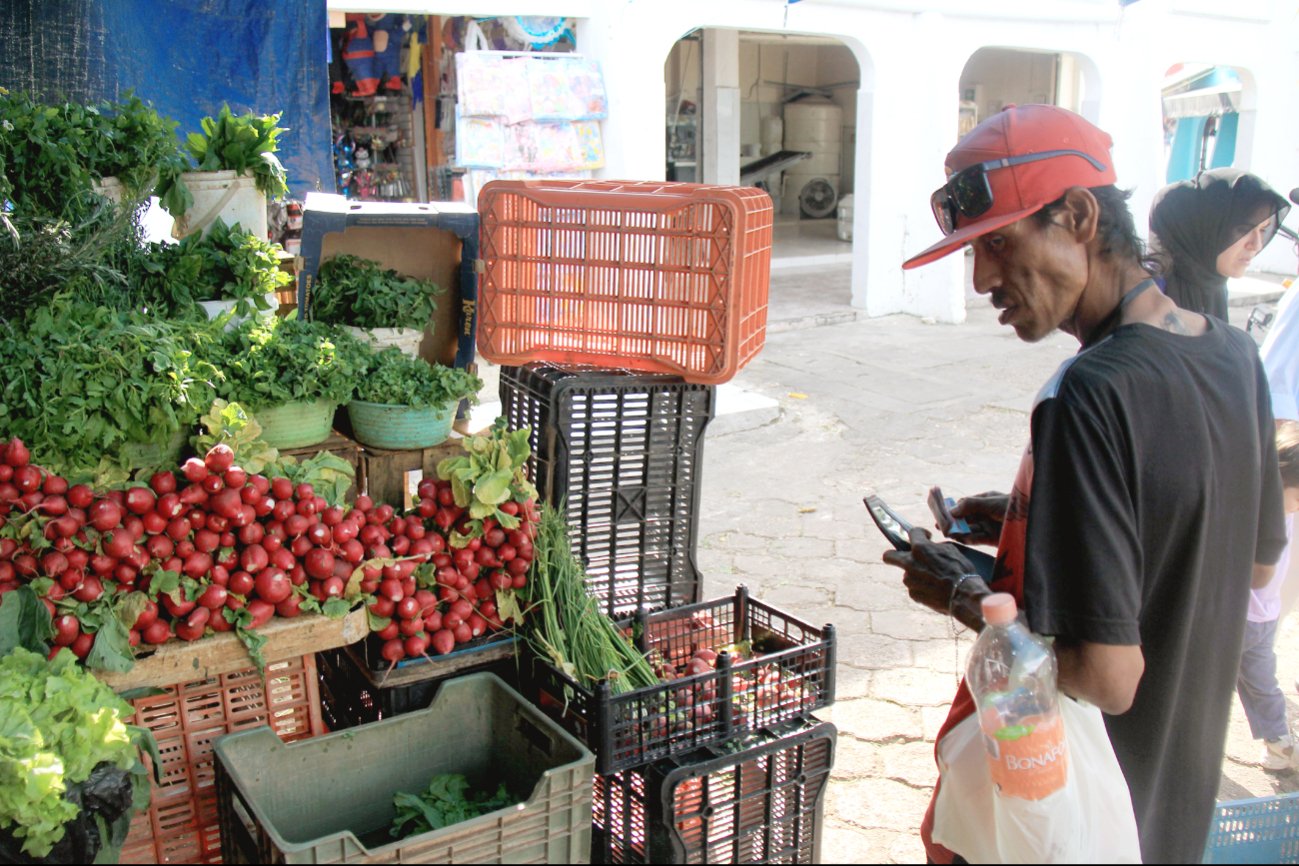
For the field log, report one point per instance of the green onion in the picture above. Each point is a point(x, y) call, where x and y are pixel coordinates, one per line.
point(566, 625)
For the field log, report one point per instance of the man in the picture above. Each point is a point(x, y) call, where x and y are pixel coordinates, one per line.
point(1149, 487)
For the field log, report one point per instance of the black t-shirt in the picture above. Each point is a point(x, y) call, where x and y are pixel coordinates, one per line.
point(1154, 490)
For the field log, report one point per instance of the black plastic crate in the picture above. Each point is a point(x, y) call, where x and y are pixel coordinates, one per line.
point(356, 686)
point(624, 451)
point(761, 804)
point(771, 668)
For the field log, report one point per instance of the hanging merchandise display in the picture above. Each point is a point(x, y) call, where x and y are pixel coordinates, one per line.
point(523, 116)
point(537, 30)
point(373, 51)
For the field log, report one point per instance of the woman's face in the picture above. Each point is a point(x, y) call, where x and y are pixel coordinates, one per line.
point(1234, 260)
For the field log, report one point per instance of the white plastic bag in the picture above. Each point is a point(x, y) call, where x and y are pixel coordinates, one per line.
point(1090, 820)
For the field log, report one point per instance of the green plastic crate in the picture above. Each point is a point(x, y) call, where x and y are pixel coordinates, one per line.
point(1261, 830)
point(329, 799)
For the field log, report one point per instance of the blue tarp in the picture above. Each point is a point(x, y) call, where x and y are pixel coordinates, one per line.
point(186, 57)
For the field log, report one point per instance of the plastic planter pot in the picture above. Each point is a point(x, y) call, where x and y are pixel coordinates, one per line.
point(296, 425)
point(232, 197)
point(406, 339)
point(399, 428)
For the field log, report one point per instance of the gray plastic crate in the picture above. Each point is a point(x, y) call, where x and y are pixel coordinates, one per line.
point(329, 800)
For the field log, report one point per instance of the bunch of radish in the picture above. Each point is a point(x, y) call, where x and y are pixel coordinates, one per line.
point(454, 599)
point(212, 548)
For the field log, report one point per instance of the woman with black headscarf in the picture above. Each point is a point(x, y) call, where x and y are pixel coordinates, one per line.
point(1208, 229)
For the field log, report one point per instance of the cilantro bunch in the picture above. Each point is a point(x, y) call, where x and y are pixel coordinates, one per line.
point(360, 292)
point(57, 724)
point(225, 263)
point(81, 381)
point(274, 361)
point(398, 379)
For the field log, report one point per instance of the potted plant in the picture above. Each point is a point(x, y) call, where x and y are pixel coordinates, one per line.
point(404, 402)
point(54, 155)
point(292, 375)
point(72, 775)
point(225, 271)
point(236, 171)
point(100, 393)
point(375, 303)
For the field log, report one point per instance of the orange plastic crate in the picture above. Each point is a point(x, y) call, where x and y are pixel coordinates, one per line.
point(181, 824)
point(655, 277)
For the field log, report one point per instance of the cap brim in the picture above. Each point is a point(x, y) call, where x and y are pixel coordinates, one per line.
point(963, 236)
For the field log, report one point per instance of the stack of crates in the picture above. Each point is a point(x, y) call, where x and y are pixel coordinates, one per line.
point(616, 309)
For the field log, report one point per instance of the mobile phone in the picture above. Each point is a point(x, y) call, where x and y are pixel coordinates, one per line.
point(896, 529)
point(941, 507)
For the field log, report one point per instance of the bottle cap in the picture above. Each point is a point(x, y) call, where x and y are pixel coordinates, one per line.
point(999, 608)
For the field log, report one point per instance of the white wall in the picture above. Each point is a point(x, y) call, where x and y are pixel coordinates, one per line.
point(911, 55)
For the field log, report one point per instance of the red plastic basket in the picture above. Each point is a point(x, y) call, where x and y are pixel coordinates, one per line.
point(181, 824)
point(655, 277)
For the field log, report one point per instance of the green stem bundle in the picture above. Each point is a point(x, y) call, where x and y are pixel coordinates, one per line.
point(566, 625)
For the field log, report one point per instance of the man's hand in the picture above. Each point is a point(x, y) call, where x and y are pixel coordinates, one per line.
point(985, 514)
point(932, 572)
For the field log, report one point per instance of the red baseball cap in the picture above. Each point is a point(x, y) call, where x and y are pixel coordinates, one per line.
point(1023, 187)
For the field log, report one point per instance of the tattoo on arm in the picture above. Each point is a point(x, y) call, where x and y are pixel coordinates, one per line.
point(1173, 324)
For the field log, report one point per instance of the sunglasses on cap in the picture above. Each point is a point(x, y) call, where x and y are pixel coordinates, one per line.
point(969, 194)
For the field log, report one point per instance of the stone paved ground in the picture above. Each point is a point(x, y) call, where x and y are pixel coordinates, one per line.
point(890, 405)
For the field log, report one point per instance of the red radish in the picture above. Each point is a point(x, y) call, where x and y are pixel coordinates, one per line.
point(344, 532)
point(193, 495)
point(90, 590)
point(53, 564)
point(219, 623)
point(300, 546)
point(185, 548)
point(140, 500)
point(363, 503)
point(213, 597)
point(319, 563)
point(427, 508)
point(83, 645)
point(169, 505)
point(273, 585)
point(477, 625)
point(290, 607)
point(392, 589)
point(517, 567)
point(147, 616)
point(241, 583)
point(6, 472)
point(334, 587)
point(408, 608)
point(307, 507)
point(249, 494)
point(154, 523)
point(393, 650)
point(198, 564)
point(253, 533)
point(353, 551)
point(260, 483)
point(282, 488)
point(408, 627)
point(220, 574)
point(16, 454)
point(331, 517)
point(194, 470)
point(213, 484)
point(219, 458)
point(235, 477)
point(178, 528)
point(382, 607)
point(104, 515)
point(443, 641)
point(206, 541)
point(28, 479)
point(66, 629)
point(389, 631)
point(304, 491)
point(163, 482)
point(401, 545)
point(296, 524)
point(158, 632)
point(262, 611)
point(225, 503)
point(197, 519)
point(433, 621)
point(118, 544)
point(282, 558)
point(247, 514)
point(416, 645)
point(320, 535)
point(462, 633)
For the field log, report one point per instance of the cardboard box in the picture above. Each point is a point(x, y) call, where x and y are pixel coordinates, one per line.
point(435, 241)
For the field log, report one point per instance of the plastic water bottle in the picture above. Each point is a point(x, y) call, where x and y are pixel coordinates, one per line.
point(1012, 676)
